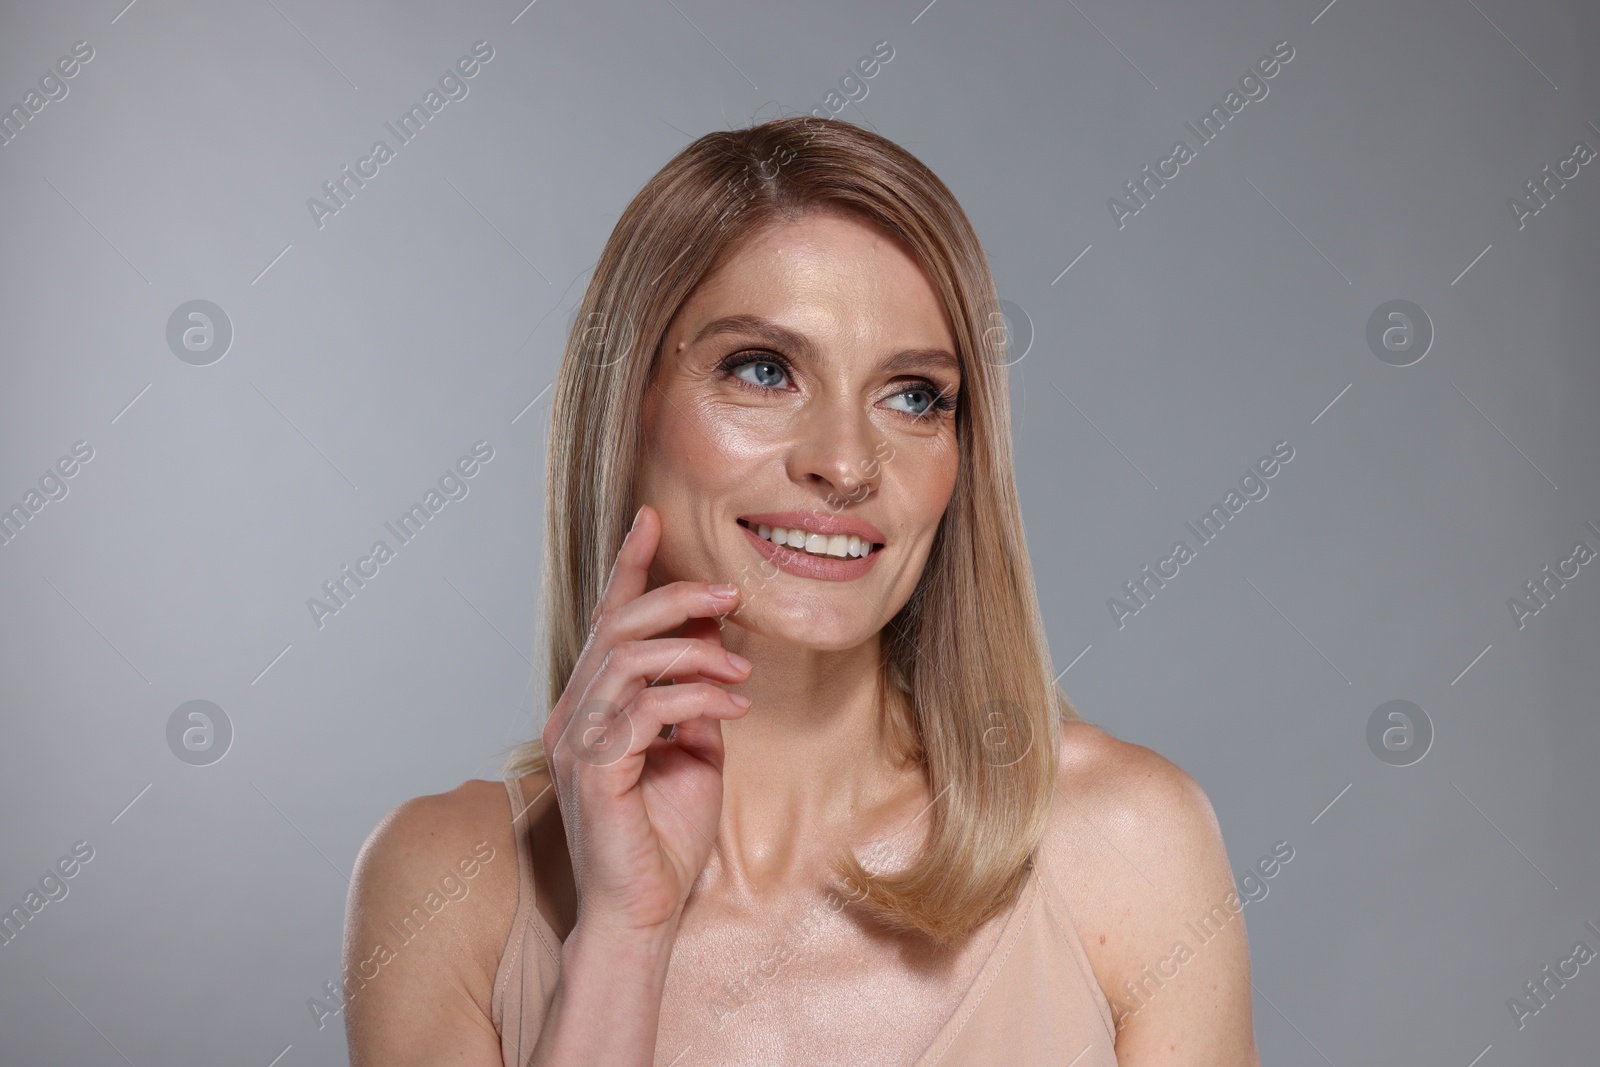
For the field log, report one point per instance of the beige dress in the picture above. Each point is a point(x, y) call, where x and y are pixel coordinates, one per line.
point(1034, 999)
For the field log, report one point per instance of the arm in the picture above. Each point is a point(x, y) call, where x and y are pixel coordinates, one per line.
point(1137, 848)
point(607, 1003)
point(424, 1001)
point(633, 867)
point(1200, 1010)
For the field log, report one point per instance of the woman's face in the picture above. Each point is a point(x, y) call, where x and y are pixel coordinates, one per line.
point(808, 383)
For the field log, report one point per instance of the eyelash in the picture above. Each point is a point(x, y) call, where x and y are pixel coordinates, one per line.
point(942, 403)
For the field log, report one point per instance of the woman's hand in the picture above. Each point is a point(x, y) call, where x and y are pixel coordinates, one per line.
point(640, 813)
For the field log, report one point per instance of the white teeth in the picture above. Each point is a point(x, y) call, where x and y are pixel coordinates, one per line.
point(838, 546)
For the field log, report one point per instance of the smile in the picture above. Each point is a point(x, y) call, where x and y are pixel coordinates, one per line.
point(837, 557)
point(838, 546)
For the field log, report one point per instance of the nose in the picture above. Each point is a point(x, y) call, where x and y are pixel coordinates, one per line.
point(837, 454)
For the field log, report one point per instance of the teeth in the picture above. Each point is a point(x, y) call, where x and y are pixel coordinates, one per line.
point(838, 546)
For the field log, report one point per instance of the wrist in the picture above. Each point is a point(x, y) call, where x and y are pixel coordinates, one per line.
point(645, 949)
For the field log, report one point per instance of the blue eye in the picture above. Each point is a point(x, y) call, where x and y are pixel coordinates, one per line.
point(772, 369)
point(933, 400)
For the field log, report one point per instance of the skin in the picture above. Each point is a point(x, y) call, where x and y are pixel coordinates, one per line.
point(719, 445)
point(1133, 843)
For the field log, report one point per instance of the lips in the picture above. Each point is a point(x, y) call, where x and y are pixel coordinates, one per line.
point(819, 522)
point(806, 565)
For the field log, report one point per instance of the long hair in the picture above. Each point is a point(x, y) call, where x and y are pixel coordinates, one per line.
point(966, 679)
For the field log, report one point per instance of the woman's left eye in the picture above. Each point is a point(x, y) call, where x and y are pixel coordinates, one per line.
point(929, 399)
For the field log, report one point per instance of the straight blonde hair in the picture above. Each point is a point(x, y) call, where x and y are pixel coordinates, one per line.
point(966, 680)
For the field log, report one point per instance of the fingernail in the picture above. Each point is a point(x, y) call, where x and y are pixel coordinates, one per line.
point(724, 590)
point(738, 661)
point(739, 699)
point(636, 518)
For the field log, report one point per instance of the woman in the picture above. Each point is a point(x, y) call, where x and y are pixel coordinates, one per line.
point(807, 792)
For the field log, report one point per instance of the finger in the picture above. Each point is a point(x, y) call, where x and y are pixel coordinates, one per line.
point(683, 605)
point(612, 736)
point(630, 569)
point(663, 610)
point(701, 736)
point(632, 665)
point(703, 629)
point(693, 710)
point(629, 667)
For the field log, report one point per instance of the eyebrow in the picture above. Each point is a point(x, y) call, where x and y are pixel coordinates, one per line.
point(778, 336)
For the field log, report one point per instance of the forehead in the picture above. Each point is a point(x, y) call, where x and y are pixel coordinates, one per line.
point(833, 276)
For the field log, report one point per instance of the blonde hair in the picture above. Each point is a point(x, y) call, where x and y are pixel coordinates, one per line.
point(966, 676)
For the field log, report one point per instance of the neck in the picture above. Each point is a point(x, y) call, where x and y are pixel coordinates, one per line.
point(808, 770)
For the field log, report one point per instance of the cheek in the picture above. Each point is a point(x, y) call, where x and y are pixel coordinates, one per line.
point(925, 480)
point(699, 461)
point(672, 442)
point(701, 442)
point(924, 473)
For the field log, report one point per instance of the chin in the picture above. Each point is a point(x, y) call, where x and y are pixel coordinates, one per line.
point(818, 631)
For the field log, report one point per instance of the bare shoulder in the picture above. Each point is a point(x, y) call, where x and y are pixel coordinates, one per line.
point(1138, 853)
point(1125, 813)
point(431, 903)
point(1100, 774)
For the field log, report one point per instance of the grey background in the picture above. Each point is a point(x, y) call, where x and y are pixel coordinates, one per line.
point(370, 353)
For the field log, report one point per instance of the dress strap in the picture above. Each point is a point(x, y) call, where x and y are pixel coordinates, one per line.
point(1061, 914)
point(519, 832)
point(509, 976)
